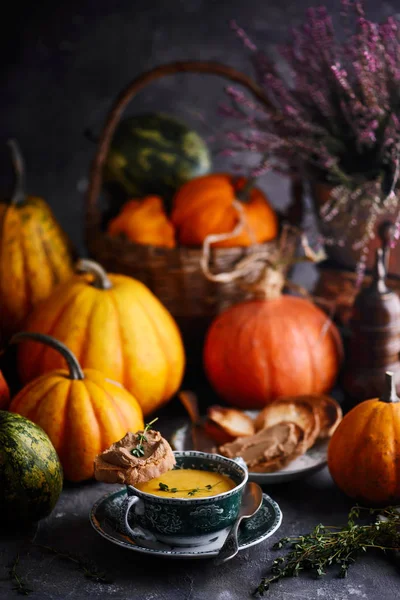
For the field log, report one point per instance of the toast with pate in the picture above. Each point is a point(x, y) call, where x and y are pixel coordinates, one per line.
point(226, 424)
point(121, 463)
point(268, 450)
point(329, 412)
point(291, 410)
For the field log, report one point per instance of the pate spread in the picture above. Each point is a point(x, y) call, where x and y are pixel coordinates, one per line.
point(117, 464)
point(267, 450)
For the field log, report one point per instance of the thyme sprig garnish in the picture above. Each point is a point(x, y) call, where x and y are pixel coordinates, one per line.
point(20, 586)
point(138, 451)
point(328, 546)
point(190, 491)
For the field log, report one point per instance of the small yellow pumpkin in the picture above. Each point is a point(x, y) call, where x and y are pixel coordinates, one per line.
point(364, 452)
point(112, 323)
point(35, 254)
point(82, 411)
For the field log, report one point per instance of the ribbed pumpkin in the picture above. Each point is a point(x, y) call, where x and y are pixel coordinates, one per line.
point(31, 477)
point(205, 206)
point(364, 452)
point(277, 346)
point(82, 411)
point(112, 323)
point(144, 222)
point(4, 392)
point(35, 254)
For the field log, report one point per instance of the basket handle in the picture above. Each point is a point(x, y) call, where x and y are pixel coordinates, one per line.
point(116, 111)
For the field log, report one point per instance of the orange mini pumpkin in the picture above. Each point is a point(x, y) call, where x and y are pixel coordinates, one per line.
point(204, 206)
point(4, 392)
point(82, 411)
point(364, 452)
point(282, 345)
point(144, 222)
point(112, 323)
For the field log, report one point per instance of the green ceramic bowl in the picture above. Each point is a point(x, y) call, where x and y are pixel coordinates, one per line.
point(187, 521)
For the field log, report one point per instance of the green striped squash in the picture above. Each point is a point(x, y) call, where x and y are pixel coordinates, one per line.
point(154, 154)
point(31, 476)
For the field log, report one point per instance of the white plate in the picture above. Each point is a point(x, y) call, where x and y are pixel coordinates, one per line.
point(312, 461)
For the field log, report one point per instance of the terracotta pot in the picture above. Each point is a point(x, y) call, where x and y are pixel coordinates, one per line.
point(346, 256)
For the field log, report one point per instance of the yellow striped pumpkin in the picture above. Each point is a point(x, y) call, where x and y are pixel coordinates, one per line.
point(35, 254)
point(114, 324)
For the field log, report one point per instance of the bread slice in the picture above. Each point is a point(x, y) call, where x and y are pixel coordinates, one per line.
point(268, 450)
point(226, 424)
point(117, 464)
point(329, 412)
point(291, 410)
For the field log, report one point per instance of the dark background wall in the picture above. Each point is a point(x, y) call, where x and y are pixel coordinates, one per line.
point(64, 62)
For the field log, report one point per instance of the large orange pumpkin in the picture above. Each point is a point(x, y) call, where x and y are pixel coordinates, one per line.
point(35, 254)
point(204, 206)
point(261, 349)
point(364, 452)
point(112, 323)
point(82, 411)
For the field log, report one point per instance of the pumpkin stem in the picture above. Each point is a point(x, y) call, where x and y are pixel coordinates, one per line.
point(19, 169)
point(243, 195)
point(269, 285)
point(75, 370)
point(389, 394)
point(100, 277)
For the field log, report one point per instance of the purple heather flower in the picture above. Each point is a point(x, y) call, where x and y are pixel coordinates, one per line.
point(338, 117)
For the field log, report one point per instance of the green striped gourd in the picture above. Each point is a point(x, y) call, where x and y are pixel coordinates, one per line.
point(154, 154)
point(31, 476)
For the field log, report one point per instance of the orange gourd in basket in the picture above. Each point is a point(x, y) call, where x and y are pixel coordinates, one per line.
point(364, 452)
point(82, 411)
point(112, 323)
point(144, 222)
point(205, 206)
point(279, 345)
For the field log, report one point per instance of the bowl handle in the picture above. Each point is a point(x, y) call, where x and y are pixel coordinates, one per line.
point(128, 502)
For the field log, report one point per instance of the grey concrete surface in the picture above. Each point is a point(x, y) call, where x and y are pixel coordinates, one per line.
point(304, 504)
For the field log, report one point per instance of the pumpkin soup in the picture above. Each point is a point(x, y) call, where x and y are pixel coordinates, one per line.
point(187, 483)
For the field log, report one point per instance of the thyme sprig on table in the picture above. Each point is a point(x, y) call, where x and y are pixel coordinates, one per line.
point(328, 546)
point(85, 565)
point(190, 491)
point(138, 451)
point(20, 585)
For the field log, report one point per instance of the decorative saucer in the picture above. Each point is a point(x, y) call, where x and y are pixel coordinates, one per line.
point(104, 517)
point(312, 461)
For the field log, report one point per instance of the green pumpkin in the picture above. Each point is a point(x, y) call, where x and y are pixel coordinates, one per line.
point(31, 475)
point(154, 154)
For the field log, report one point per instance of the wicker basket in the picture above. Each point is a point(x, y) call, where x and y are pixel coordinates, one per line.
point(174, 275)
